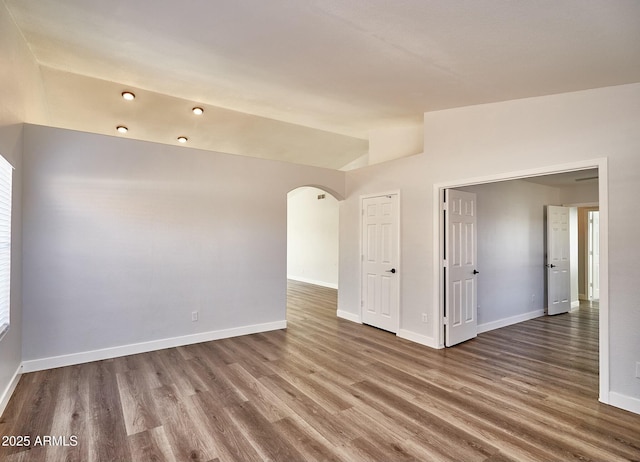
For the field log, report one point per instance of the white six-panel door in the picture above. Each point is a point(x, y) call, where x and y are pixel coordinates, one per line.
point(461, 288)
point(380, 258)
point(558, 260)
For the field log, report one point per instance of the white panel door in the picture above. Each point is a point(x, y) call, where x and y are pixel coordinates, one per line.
point(461, 291)
point(558, 261)
point(380, 255)
point(594, 255)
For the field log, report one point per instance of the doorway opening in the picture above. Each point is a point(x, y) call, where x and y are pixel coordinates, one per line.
point(599, 167)
point(313, 237)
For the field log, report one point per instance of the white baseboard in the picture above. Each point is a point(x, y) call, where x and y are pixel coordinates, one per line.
point(575, 304)
point(486, 327)
point(417, 338)
point(628, 403)
point(349, 316)
point(8, 391)
point(144, 347)
point(315, 282)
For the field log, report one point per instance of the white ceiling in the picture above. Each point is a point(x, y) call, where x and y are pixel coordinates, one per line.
point(306, 80)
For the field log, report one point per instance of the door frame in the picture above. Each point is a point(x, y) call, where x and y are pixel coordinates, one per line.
point(603, 199)
point(590, 260)
point(398, 249)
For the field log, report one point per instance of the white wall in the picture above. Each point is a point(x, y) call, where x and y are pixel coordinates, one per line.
point(124, 239)
point(395, 142)
point(410, 175)
point(511, 250)
point(20, 87)
point(487, 140)
point(312, 237)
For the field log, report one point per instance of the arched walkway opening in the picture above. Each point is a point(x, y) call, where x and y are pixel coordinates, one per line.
point(313, 238)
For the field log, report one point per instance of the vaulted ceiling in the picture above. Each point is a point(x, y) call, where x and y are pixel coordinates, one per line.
point(308, 80)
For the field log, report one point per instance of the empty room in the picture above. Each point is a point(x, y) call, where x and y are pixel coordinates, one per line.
point(244, 230)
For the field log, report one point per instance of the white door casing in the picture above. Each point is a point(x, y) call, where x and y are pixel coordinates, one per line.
point(380, 261)
point(461, 253)
point(594, 255)
point(558, 260)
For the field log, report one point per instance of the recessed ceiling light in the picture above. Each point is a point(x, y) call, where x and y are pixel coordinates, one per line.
point(122, 129)
point(128, 95)
point(198, 110)
point(182, 139)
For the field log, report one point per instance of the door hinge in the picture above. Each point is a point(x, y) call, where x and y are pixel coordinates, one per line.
point(444, 264)
point(445, 321)
point(444, 206)
point(361, 303)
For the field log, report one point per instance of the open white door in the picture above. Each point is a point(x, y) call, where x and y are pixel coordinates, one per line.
point(558, 261)
point(461, 289)
point(380, 258)
point(594, 255)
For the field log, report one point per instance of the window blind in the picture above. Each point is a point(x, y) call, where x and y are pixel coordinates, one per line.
point(6, 178)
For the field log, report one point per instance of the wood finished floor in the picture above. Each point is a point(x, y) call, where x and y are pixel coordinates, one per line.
point(329, 389)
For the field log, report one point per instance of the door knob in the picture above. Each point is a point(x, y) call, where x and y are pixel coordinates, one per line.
point(551, 265)
point(476, 272)
point(392, 270)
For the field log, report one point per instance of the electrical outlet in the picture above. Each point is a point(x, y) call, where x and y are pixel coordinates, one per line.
point(425, 317)
point(194, 316)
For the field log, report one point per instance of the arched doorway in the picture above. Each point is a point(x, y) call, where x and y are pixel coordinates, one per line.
point(313, 238)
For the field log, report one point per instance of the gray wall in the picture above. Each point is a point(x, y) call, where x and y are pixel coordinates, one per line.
point(585, 193)
point(511, 248)
point(511, 244)
point(124, 239)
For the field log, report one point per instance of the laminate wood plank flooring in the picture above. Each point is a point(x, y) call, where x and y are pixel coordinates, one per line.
point(326, 389)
